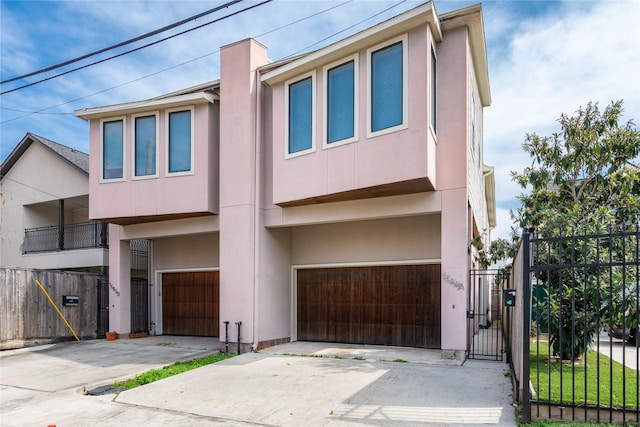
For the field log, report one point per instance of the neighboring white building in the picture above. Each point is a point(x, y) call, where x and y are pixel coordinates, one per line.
point(44, 210)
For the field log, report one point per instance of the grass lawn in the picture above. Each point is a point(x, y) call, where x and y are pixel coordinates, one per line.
point(617, 384)
point(545, 423)
point(170, 370)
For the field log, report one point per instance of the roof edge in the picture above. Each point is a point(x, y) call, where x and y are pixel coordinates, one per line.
point(423, 14)
point(471, 17)
point(26, 141)
point(490, 194)
point(194, 95)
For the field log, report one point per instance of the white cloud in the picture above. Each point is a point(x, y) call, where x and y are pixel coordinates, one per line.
point(554, 64)
point(545, 58)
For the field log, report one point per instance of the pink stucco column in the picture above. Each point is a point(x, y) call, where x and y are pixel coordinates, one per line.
point(238, 201)
point(119, 282)
point(455, 238)
point(454, 63)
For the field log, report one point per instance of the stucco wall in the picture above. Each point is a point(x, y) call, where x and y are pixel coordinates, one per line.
point(475, 159)
point(397, 156)
point(161, 195)
point(453, 80)
point(186, 252)
point(398, 239)
point(25, 190)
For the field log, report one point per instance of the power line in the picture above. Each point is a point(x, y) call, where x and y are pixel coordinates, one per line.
point(134, 50)
point(41, 111)
point(345, 29)
point(302, 19)
point(124, 43)
point(102, 91)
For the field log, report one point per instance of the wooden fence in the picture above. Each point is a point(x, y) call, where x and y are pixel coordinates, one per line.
point(26, 313)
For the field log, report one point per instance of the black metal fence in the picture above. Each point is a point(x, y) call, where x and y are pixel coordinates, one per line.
point(579, 358)
point(140, 286)
point(103, 306)
point(84, 235)
point(485, 314)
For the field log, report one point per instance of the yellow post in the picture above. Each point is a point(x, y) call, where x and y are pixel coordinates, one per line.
point(57, 309)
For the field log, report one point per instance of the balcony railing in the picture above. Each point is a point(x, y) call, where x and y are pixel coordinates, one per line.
point(85, 235)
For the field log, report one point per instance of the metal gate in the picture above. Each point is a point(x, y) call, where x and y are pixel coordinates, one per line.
point(485, 312)
point(140, 288)
point(103, 307)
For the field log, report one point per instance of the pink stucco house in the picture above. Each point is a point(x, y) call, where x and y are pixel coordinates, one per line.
point(329, 197)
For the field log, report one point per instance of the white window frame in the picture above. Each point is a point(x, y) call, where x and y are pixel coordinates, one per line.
point(325, 99)
point(287, 83)
point(191, 171)
point(404, 38)
point(133, 145)
point(124, 150)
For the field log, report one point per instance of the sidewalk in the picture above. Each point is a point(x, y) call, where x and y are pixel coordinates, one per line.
point(46, 386)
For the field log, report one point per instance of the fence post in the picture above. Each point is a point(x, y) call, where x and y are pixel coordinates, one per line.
point(526, 326)
point(61, 224)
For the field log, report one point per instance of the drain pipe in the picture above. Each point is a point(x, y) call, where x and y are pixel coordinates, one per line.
point(257, 199)
point(226, 337)
point(239, 324)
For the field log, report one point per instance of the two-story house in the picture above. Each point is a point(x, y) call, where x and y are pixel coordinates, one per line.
point(328, 197)
point(44, 205)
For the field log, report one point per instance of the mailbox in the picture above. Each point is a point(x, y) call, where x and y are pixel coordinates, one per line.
point(509, 297)
point(70, 299)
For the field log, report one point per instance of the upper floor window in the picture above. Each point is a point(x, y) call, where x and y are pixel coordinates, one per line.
point(434, 98)
point(387, 86)
point(112, 149)
point(145, 151)
point(340, 101)
point(300, 99)
point(179, 141)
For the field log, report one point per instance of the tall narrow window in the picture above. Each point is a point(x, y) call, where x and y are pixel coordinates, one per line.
point(300, 115)
point(434, 92)
point(340, 102)
point(387, 87)
point(145, 145)
point(180, 141)
point(113, 149)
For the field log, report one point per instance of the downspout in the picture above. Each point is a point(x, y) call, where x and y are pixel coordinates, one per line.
point(256, 219)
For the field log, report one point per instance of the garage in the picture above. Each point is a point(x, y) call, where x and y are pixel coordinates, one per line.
point(190, 303)
point(385, 305)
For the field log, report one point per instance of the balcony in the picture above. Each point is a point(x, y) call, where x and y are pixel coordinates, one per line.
point(85, 235)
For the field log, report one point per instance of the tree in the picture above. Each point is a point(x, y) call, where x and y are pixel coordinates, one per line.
point(580, 178)
point(584, 174)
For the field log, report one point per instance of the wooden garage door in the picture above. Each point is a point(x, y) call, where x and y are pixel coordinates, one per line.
point(387, 305)
point(190, 303)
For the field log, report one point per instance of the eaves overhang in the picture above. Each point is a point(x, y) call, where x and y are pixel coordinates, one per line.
point(75, 158)
point(490, 194)
point(471, 17)
point(149, 104)
point(424, 14)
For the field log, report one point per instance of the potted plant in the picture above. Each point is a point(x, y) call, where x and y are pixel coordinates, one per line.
point(111, 335)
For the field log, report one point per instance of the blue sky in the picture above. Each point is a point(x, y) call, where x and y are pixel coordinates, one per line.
point(545, 58)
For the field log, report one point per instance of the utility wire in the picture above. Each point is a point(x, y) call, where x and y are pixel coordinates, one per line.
point(42, 111)
point(100, 91)
point(343, 30)
point(136, 49)
point(124, 43)
point(302, 19)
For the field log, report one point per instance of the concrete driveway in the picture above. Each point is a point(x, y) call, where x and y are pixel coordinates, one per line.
point(622, 352)
point(343, 386)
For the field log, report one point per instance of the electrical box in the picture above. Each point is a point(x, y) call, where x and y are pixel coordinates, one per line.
point(70, 299)
point(509, 297)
